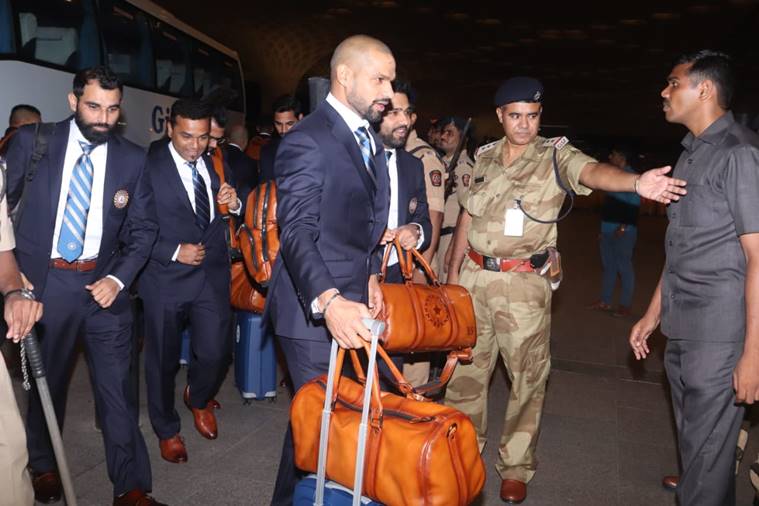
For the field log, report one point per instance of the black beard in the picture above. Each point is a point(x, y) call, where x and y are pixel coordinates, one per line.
point(89, 132)
point(372, 115)
point(393, 141)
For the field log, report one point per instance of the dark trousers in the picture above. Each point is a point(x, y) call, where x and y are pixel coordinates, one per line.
point(617, 256)
point(305, 360)
point(707, 418)
point(70, 313)
point(210, 324)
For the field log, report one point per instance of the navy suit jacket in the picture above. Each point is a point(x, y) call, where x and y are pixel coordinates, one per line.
point(412, 203)
point(412, 195)
point(331, 216)
point(244, 170)
point(128, 232)
point(266, 163)
point(174, 281)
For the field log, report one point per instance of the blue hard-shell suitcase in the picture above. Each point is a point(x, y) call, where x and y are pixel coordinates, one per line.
point(334, 494)
point(255, 359)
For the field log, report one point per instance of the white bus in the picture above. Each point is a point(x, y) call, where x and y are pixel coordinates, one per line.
point(159, 59)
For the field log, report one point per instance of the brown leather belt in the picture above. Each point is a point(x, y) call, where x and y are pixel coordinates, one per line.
point(501, 264)
point(77, 265)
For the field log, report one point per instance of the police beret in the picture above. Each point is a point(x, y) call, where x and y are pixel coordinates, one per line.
point(519, 89)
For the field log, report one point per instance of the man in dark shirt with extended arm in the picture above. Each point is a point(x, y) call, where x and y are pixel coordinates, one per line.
point(707, 299)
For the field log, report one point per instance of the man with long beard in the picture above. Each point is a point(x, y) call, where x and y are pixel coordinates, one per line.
point(84, 230)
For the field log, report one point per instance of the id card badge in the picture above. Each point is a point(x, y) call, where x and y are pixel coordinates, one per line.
point(514, 222)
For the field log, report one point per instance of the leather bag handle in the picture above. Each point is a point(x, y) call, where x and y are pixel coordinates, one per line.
point(406, 260)
point(218, 166)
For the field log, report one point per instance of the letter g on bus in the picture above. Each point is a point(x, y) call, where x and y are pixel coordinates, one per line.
point(159, 119)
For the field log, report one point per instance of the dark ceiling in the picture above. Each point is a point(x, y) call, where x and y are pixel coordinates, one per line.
point(603, 64)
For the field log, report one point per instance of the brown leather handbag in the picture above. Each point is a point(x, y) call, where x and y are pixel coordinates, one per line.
point(259, 234)
point(242, 293)
point(418, 317)
point(416, 453)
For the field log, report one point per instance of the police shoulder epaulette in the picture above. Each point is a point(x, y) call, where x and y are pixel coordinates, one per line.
point(484, 148)
point(556, 142)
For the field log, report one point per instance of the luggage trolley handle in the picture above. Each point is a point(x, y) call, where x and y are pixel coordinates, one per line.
point(376, 327)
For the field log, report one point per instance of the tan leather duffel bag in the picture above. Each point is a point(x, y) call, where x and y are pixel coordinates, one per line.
point(417, 453)
point(420, 318)
point(259, 234)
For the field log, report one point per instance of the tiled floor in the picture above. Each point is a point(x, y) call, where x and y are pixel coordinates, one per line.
point(607, 435)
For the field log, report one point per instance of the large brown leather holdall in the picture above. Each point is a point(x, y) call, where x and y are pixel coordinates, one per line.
point(243, 295)
point(259, 234)
point(417, 453)
point(418, 318)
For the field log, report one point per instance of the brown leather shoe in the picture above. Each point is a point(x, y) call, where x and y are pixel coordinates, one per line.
point(205, 419)
point(513, 491)
point(670, 482)
point(136, 497)
point(622, 312)
point(213, 403)
point(599, 306)
point(173, 449)
point(47, 487)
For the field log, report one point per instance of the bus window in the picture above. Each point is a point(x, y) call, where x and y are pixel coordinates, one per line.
point(216, 75)
point(128, 49)
point(60, 32)
point(172, 63)
point(6, 27)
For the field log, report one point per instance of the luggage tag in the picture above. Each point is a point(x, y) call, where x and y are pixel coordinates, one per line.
point(514, 221)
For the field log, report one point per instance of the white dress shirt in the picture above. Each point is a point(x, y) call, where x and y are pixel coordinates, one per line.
point(392, 217)
point(185, 174)
point(94, 230)
point(353, 120)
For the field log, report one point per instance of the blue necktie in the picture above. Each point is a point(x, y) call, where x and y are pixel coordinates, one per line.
point(366, 149)
point(71, 237)
point(388, 155)
point(202, 206)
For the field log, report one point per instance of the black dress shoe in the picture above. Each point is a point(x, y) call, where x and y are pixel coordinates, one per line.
point(47, 487)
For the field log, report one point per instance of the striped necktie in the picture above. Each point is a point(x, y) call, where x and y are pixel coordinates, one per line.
point(366, 150)
point(202, 206)
point(71, 238)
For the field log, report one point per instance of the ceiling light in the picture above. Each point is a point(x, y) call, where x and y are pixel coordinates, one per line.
point(489, 21)
point(665, 16)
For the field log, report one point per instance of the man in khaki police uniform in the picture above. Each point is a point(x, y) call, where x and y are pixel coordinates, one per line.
point(513, 178)
point(20, 314)
point(451, 130)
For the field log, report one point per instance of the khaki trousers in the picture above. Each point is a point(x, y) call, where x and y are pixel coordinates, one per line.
point(15, 484)
point(513, 312)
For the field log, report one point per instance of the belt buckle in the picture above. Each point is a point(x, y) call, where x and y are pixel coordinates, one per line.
point(491, 264)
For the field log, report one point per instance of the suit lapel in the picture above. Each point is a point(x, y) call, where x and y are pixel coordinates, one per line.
point(170, 173)
point(56, 159)
point(342, 133)
point(403, 190)
point(215, 182)
point(111, 178)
